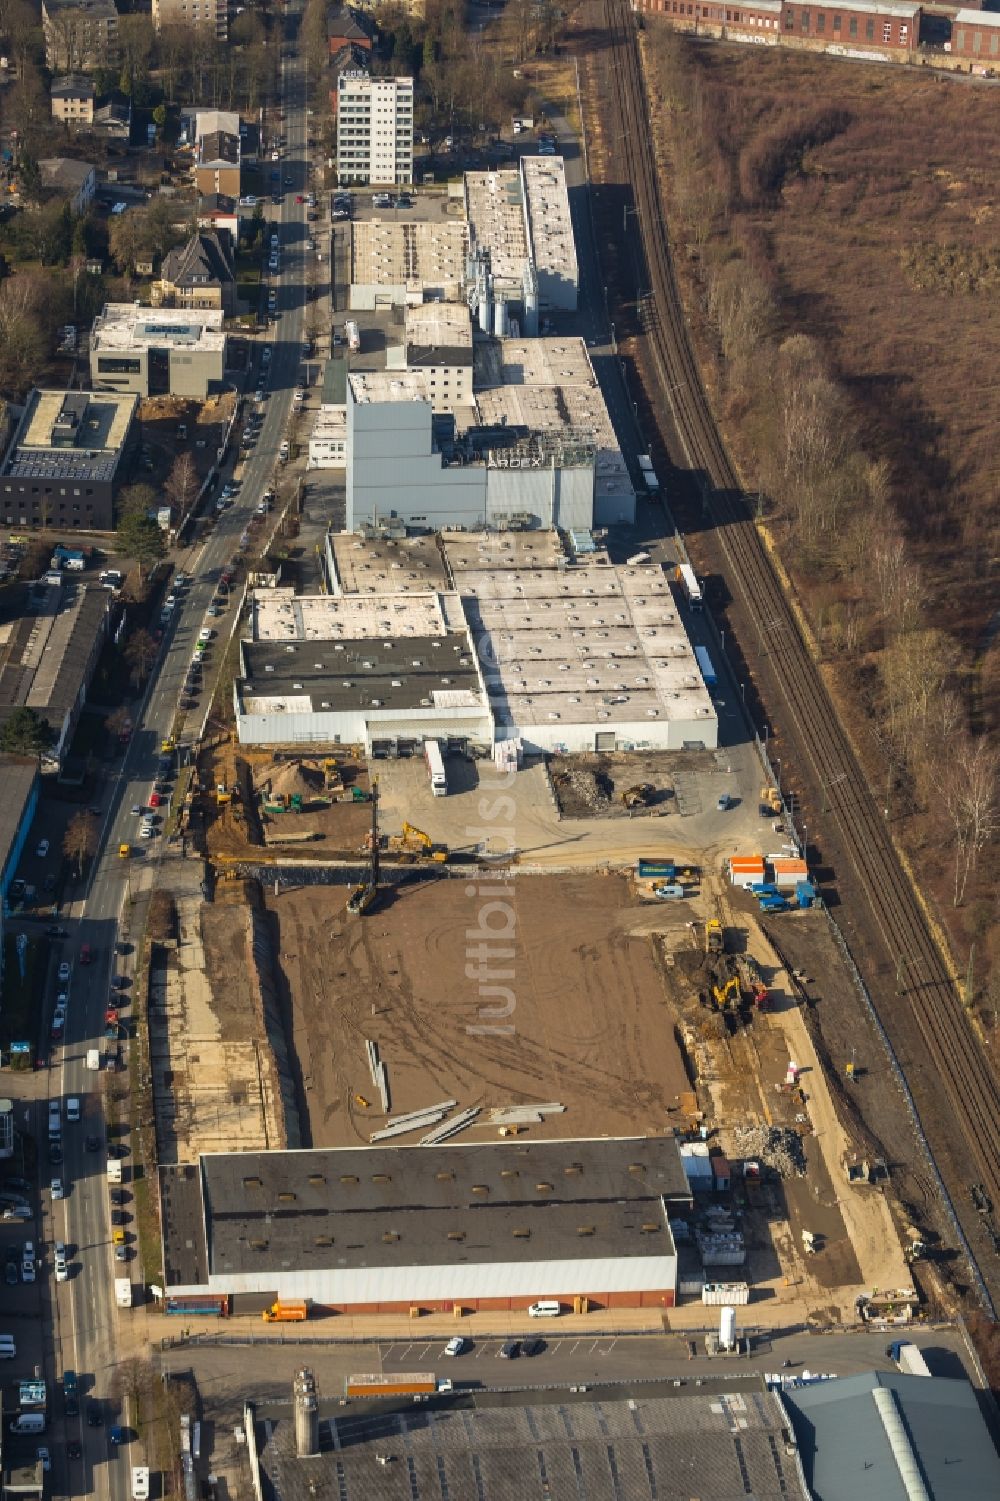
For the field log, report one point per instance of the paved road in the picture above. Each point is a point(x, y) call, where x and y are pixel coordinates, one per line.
point(228, 1374)
point(83, 1313)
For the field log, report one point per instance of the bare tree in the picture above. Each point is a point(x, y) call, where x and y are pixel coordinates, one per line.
point(133, 1379)
point(80, 841)
point(118, 721)
point(971, 793)
point(140, 653)
point(182, 484)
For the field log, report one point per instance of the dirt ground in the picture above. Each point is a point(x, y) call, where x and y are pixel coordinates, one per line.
point(206, 422)
point(323, 830)
point(592, 786)
point(588, 1026)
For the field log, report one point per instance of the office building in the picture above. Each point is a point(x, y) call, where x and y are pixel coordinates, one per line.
point(166, 352)
point(67, 459)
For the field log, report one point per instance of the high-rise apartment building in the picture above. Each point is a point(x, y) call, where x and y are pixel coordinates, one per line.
point(205, 15)
point(374, 130)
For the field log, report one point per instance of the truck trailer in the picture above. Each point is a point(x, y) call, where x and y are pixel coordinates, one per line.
point(704, 661)
point(294, 1311)
point(388, 1384)
point(649, 478)
point(908, 1357)
point(685, 576)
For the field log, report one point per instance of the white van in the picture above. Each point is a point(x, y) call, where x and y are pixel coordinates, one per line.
point(73, 1110)
point(545, 1310)
point(29, 1422)
point(93, 1058)
point(140, 1483)
point(55, 1118)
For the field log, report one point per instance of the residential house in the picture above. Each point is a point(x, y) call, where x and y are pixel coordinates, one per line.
point(219, 211)
point(113, 116)
point(200, 274)
point(76, 181)
point(217, 164)
point(193, 15)
point(72, 98)
point(346, 29)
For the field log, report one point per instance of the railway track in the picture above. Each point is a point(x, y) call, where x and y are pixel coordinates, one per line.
point(923, 981)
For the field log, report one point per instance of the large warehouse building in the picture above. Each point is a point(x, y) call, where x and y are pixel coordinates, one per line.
point(359, 670)
point(581, 659)
point(497, 1226)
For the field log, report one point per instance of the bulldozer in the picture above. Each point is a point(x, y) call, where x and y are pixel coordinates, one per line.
point(770, 802)
point(223, 794)
point(713, 936)
point(752, 982)
point(332, 780)
point(414, 841)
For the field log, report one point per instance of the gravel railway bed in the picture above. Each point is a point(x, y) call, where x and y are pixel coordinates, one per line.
point(924, 984)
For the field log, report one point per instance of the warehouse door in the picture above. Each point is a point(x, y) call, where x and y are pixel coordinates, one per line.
point(605, 740)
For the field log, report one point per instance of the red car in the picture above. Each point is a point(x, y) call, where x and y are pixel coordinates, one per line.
point(155, 800)
point(85, 954)
point(299, 198)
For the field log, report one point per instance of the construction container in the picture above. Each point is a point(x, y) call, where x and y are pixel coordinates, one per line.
point(199, 1304)
point(723, 1294)
point(744, 870)
point(690, 1287)
point(386, 1384)
point(697, 1166)
point(788, 873)
point(294, 1311)
point(805, 894)
point(657, 870)
point(721, 1172)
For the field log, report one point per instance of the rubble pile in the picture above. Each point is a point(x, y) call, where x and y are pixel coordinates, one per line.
point(777, 1147)
point(586, 787)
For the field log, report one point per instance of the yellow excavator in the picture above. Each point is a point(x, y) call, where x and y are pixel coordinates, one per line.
point(414, 841)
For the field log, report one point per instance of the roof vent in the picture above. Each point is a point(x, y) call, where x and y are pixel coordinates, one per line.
point(543, 1188)
point(318, 1180)
point(253, 1183)
point(287, 1198)
point(521, 1232)
point(480, 1190)
point(258, 1245)
point(585, 1229)
point(381, 1177)
point(456, 1234)
point(348, 1178)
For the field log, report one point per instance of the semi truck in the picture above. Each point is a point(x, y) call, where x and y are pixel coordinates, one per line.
point(908, 1357)
point(388, 1384)
point(294, 1311)
point(648, 474)
point(685, 576)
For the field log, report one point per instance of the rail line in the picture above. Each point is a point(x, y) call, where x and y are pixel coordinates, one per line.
point(923, 981)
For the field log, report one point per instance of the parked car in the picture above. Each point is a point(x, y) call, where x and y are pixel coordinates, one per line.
point(64, 972)
point(42, 849)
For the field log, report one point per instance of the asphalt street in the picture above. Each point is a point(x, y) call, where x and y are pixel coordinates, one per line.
point(83, 1313)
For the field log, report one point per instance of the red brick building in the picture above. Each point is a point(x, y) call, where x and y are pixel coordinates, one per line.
point(880, 25)
point(975, 35)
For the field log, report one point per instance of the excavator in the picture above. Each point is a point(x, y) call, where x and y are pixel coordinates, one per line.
point(414, 841)
point(364, 896)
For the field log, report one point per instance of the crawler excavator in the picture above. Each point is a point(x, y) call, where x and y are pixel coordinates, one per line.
point(414, 841)
point(364, 896)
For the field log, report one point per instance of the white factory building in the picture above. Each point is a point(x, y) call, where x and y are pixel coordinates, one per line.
point(536, 448)
point(523, 253)
point(403, 262)
point(581, 657)
point(373, 670)
point(388, 1228)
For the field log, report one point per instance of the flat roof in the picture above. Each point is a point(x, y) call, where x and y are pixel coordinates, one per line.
point(583, 644)
point(481, 551)
point(283, 617)
point(439, 333)
point(408, 252)
point(317, 1209)
point(122, 325)
point(860, 1437)
point(649, 1439)
point(871, 7)
point(549, 386)
point(387, 566)
point(418, 672)
point(976, 18)
point(549, 222)
point(330, 424)
point(494, 203)
point(335, 383)
point(373, 386)
point(95, 424)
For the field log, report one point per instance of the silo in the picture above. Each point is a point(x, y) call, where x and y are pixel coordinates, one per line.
point(727, 1329)
point(306, 1415)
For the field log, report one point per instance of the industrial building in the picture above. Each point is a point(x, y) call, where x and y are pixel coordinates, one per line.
point(891, 1437)
point(536, 448)
point(975, 36)
point(51, 635)
point(374, 130)
point(523, 249)
point(328, 439)
point(384, 564)
point(494, 1225)
point(846, 28)
point(362, 670)
point(438, 342)
point(20, 781)
point(67, 460)
point(654, 1439)
point(166, 352)
point(400, 262)
point(582, 658)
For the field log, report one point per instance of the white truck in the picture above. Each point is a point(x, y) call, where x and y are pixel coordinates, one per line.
point(353, 335)
point(649, 478)
point(114, 1170)
point(94, 1058)
point(908, 1357)
point(123, 1292)
point(685, 576)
